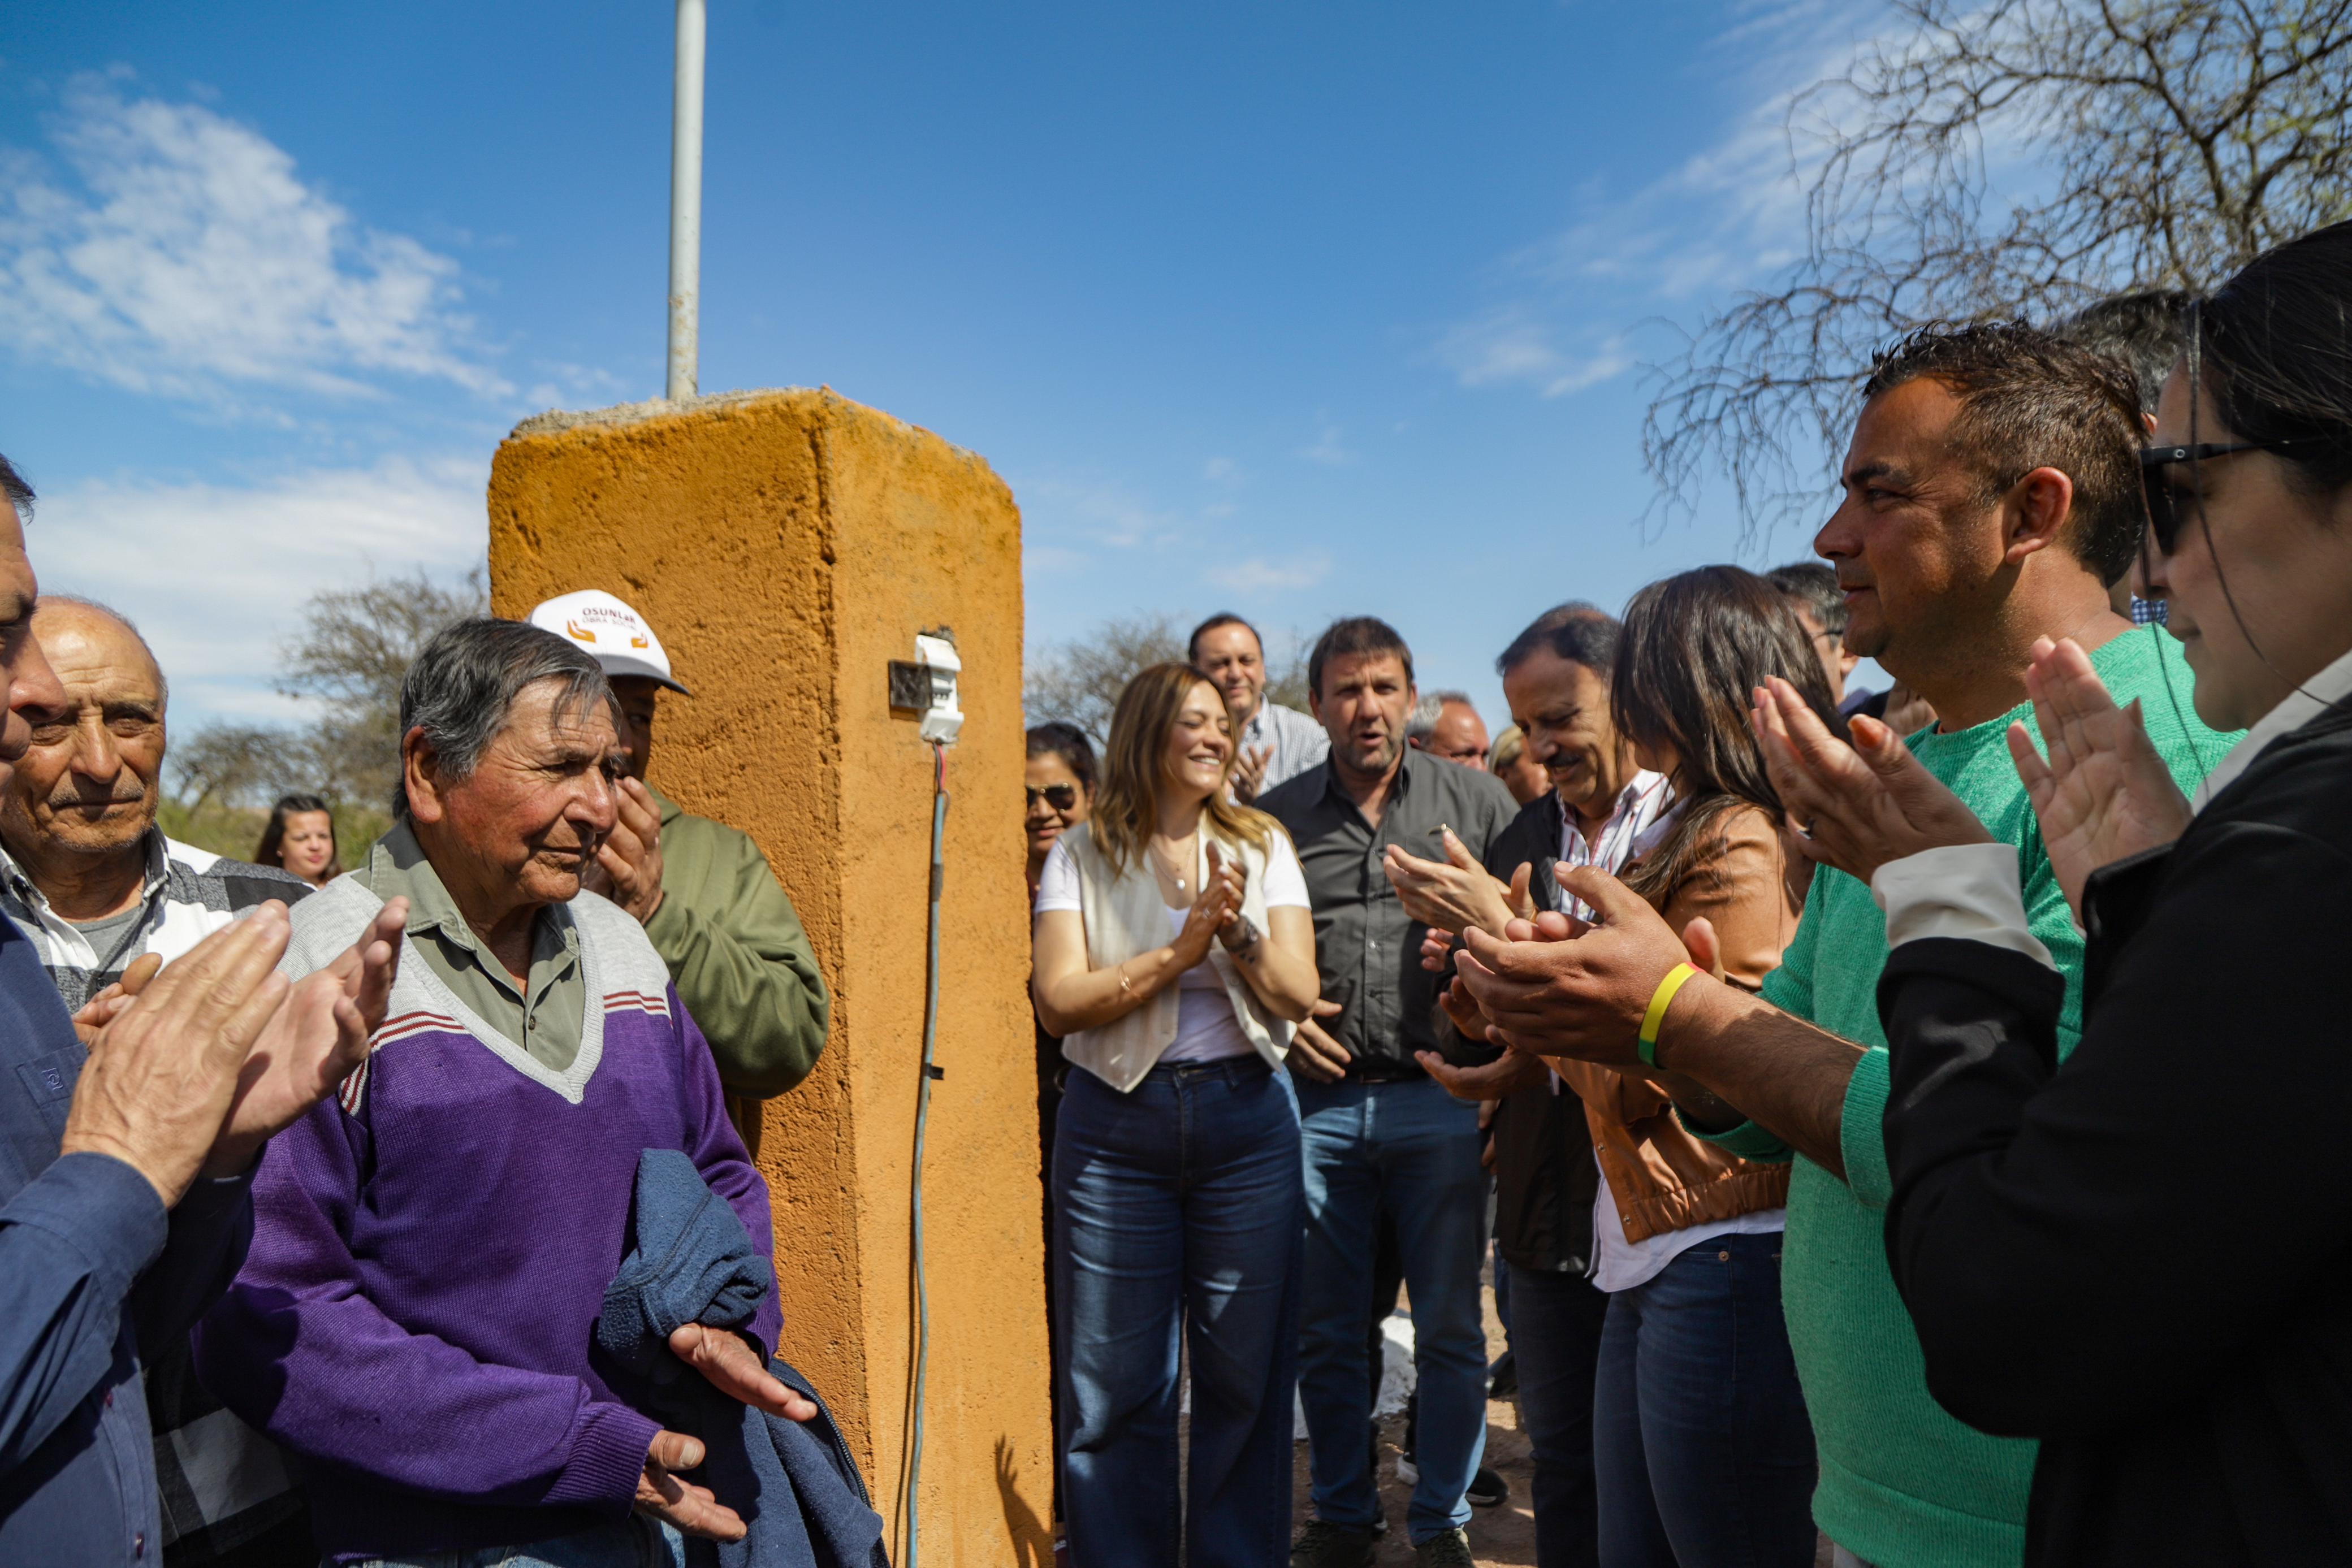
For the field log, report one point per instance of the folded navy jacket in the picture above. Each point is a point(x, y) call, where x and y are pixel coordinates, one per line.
point(793, 1482)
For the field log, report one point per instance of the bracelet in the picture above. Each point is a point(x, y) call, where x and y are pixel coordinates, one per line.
point(1125, 988)
point(1660, 1000)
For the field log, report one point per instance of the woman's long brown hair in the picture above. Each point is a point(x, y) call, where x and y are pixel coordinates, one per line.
point(1695, 648)
point(1126, 805)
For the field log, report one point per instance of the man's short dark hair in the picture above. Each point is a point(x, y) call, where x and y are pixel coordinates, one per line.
point(1222, 617)
point(1579, 632)
point(13, 486)
point(2032, 399)
point(465, 682)
point(1356, 634)
point(2145, 331)
point(1812, 584)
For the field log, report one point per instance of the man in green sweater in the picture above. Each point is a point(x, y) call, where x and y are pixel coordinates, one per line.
point(1991, 493)
point(709, 901)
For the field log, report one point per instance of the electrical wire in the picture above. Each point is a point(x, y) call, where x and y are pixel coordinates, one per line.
point(914, 1467)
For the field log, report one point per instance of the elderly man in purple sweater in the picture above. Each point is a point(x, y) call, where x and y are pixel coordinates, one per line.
point(414, 1319)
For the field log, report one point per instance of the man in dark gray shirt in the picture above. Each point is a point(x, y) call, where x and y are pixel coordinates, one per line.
point(1378, 1132)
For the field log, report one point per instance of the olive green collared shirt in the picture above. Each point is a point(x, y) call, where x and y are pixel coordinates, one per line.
point(545, 1014)
point(737, 955)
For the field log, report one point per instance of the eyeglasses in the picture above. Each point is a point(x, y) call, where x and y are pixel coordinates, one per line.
point(1061, 796)
point(2166, 505)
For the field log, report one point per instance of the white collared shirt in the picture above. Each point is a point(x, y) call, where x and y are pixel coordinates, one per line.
point(1297, 742)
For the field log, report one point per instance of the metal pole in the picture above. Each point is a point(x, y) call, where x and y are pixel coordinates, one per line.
point(685, 206)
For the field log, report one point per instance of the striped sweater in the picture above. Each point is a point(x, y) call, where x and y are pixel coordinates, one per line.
point(414, 1319)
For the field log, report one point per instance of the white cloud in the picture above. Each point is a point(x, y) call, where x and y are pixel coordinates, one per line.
point(1508, 346)
point(1329, 448)
point(184, 256)
point(1729, 216)
point(1256, 574)
point(215, 575)
point(1221, 471)
point(1096, 513)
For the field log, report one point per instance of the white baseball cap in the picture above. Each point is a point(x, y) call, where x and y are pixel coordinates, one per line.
point(616, 634)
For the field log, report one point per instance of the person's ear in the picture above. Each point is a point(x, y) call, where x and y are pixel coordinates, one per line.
point(1315, 703)
point(2034, 513)
point(420, 775)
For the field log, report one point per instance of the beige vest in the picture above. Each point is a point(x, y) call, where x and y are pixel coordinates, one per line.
point(1125, 917)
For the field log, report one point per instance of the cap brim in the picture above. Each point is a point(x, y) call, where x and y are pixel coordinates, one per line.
point(622, 665)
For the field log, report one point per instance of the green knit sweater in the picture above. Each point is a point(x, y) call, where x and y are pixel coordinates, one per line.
point(1903, 1485)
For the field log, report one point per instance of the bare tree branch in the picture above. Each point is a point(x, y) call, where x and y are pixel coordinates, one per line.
point(2002, 160)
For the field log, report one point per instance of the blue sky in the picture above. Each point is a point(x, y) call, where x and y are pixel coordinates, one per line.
point(1299, 310)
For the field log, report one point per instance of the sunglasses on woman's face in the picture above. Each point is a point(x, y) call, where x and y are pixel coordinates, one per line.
point(1061, 796)
point(2168, 503)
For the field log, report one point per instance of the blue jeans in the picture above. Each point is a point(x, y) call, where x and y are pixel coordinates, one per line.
point(1177, 1203)
point(1556, 1321)
point(635, 1542)
point(1413, 1149)
point(1704, 1458)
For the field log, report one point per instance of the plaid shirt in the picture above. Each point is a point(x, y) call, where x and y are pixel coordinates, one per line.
point(222, 1483)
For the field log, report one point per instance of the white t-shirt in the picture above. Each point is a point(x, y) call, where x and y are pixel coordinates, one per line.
point(1206, 1029)
point(1620, 1265)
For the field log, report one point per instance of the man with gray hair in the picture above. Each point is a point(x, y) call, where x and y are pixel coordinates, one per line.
point(96, 886)
point(1446, 725)
point(431, 1250)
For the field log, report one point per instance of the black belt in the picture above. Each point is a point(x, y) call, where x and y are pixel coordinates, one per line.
point(1383, 1070)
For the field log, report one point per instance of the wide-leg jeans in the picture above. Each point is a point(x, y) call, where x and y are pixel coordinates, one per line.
point(1413, 1149)
point(1704, 1454)
point(1178, 1205)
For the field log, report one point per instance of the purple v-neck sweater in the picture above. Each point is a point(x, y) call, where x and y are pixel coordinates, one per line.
point(415, 1322)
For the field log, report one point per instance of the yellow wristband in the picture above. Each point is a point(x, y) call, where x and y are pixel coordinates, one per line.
point(1660, 1000)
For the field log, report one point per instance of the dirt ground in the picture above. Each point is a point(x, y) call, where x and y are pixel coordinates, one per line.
point(1504, 1536)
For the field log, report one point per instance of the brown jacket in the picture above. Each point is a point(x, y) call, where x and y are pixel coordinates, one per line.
point(1662, 1178)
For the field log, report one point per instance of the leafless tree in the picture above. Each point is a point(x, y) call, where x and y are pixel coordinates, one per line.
point(354, 647)
point(236, 764)
point(2000, 160)
point(1079, 682)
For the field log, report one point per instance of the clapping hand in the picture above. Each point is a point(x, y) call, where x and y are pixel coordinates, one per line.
point(1456, 892)
point(2103, 794)
point(1218, 902)
point(1548, 988)
point(104, 1008)
point(1865, 804)
point(1249, 772)
point(313, 1042)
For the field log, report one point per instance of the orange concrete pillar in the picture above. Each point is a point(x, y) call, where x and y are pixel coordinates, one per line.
point(786, 546)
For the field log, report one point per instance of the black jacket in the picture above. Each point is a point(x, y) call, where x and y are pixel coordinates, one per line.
point(1545, 1177)
point(2145, 1259)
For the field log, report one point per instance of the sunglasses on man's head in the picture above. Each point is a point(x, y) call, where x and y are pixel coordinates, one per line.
point(2168, 502)
point(1061, 796)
